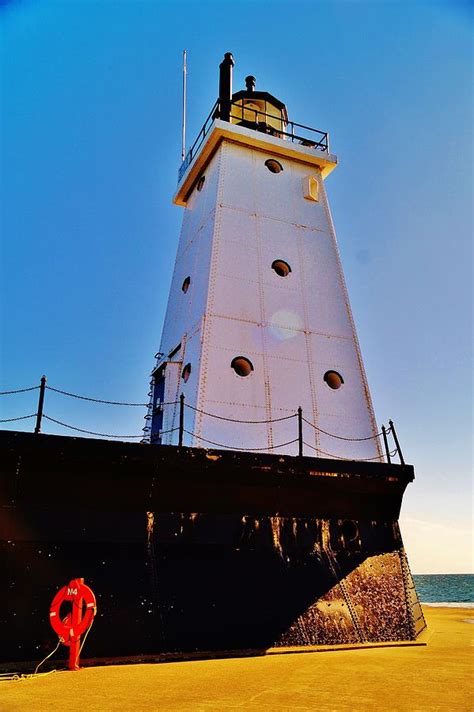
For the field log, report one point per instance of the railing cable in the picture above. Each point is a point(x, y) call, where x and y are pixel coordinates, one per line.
point(96, 400)
point(338, 457)
point(163, 432)
point(89, 432)
point(19, 390)
point(340, 437)
point(236, 420)
point(245, 449)
point(21, 417)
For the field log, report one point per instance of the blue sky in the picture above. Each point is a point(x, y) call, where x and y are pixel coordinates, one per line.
point(90, 146)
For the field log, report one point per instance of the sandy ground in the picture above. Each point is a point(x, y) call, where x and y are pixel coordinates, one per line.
point(438, 676)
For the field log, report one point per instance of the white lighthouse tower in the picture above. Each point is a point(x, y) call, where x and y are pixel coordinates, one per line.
point(258, 322)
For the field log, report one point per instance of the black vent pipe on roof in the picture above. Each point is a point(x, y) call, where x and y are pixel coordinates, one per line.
point(225, 85)
point(250, 82)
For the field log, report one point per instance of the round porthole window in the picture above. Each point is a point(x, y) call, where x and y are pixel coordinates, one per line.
point(200, 183)
point(186, 372)
point(273, 166)
point(349, 530)
point(281, 267)
point(333, 379)
point(242, 366)
point(185, 285)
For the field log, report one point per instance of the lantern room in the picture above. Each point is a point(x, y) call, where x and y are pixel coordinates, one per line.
point(258, 110)
point(252, 109)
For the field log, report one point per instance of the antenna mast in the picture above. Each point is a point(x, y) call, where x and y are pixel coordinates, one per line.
point(183, 142)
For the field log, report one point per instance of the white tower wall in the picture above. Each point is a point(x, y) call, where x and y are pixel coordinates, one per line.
point(293, 329)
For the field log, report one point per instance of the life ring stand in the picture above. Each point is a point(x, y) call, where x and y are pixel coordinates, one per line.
point(70, 628)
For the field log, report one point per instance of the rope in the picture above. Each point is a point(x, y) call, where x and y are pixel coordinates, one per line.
point(48, 656)
point(89, 432)
point(235, 420)
point(19, 390)
point(21, 417)
point(95, 400)
point(337, 457)
point(245, 449)
point(340, 437)
point(15, 677)
point(84, 639)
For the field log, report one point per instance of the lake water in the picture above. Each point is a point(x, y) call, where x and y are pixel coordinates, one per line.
point(446, 589)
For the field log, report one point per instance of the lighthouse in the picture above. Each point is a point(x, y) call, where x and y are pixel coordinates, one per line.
point(260, 512)
point(259, 392)
point(258, 323)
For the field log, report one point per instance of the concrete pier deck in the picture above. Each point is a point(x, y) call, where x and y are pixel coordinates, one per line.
point(436, 676)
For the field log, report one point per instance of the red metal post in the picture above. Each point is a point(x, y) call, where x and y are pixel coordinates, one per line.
point(76, 618)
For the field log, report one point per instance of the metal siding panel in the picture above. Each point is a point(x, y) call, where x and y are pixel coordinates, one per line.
point(192, 355)
point(238, 190)
point(236, 299)
point(320, 268)
point(285, 343)
point(347, 449)
point(278, 240)
point(283, 309)
point(237, 226)
point(238, 262)
point(290, 386)
point(283, 432)
point(231, 434)
point(199, 273)
point(348, 400)
point(193, 259)
point(171, 412)
point(225, 386)
point(293, 329)
point(274, 195)
point(307, 212)
point(334, 352)
point(328, 316)
point(239, 338)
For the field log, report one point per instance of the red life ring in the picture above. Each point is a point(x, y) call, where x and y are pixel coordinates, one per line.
point(76, 591)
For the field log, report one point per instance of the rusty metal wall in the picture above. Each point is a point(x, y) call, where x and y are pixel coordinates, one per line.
point(188, 581)
point(200, 549)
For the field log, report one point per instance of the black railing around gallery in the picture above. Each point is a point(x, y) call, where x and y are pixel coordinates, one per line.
point(181, 429)
point(265, 122)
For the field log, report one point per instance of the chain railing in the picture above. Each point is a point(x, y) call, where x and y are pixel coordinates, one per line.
point(181, 429)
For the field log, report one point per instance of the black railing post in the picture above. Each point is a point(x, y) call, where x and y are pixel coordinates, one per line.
point(300, 432)
point(39, 414)
point(181, 420)
point(392, 427)
point(387, 451)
